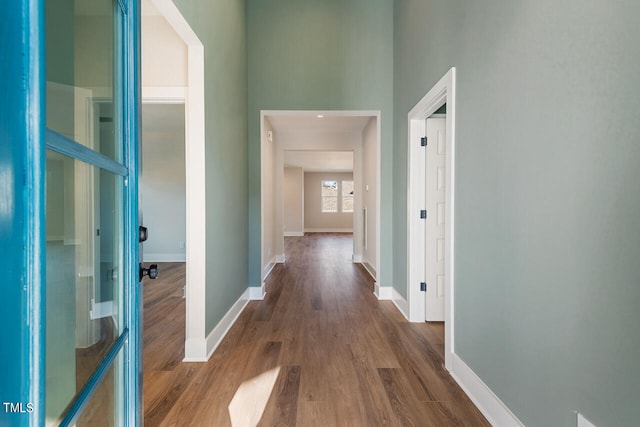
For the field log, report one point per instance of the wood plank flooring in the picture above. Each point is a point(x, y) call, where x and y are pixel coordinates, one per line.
point(319, 350)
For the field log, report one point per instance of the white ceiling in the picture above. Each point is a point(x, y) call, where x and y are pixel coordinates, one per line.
point(309, 122)
point(320, 161)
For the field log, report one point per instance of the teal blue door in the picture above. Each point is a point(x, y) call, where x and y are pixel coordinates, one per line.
point(70, 299)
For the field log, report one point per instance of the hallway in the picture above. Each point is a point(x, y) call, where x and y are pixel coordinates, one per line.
point(319, 350)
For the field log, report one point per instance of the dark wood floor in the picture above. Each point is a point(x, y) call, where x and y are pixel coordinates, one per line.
point(320, 350)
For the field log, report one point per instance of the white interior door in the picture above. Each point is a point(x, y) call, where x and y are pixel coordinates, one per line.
point(435, 204)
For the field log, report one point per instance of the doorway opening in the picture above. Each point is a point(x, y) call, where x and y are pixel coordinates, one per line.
point(430, 207)
point(163, 207)
point(320, 172)
point(163, 182)
point(179, 78)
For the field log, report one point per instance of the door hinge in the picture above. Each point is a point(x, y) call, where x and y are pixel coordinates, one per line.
point(423, 286)
point(423, 214)
point(423, 141)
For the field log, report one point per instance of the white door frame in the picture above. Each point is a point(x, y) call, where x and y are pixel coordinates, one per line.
point(196, 248)
point(443, 92)
point(357, 219)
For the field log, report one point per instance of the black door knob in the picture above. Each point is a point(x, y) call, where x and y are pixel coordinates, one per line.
point(152, 271)
point(143, 234)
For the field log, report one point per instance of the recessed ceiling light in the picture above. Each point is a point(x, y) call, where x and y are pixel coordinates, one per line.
point(320, 116)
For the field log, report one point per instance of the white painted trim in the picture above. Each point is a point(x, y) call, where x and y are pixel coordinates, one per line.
point(442, 92)
point(217, 334)
point(195, 350)
point(328, 230)
point(101, 309)
point(358, 197)
point(481, 395)
point(369, 268)
point(164, 94)
point(401, 303)
point(583, 422)
point(257, 293)
point(196, 248)
point(267, 145)
point(415, 226)
point(200, 350)
point(196, 244)
point(278, 259)
point(383, 292)
point(366, 264)
point(173, 16)
point(337, 113)
point(378, 223)
point(326, 113)
point(165, 257)
point(294, 234)
point(268, 268)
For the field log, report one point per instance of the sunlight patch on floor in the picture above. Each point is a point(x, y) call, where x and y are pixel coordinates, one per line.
point(248, 404)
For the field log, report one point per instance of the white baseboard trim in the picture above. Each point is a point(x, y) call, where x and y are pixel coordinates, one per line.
point(101, 309)
point(328, 230)
point(389, 293)
point(256, 293)
point(401, 303)
point(165, 257)
point(200, 350)
point(293, 233)
point(278, 259)
point(195, 350)
point(383, 292)
point(370, 269)
point(268, 268)
point(487, 402)
point(217, 334)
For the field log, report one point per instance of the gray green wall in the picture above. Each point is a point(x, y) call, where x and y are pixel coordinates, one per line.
point(548, 203)
point(220, 26)
point(319, 55)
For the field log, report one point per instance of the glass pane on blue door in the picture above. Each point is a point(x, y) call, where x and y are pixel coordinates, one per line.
point(80, 69)
point(88, 311)
point(84, 298)
point(104, 409)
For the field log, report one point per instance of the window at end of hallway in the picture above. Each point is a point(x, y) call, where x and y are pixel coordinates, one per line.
point(329, 196)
